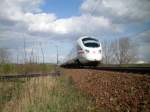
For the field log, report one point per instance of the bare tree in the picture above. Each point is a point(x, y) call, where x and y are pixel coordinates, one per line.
point(42, 52)
point(123, 50)
point(4, 55)
point(107, 51)
point(120, 51)
point(32, 56)
point(25, 53)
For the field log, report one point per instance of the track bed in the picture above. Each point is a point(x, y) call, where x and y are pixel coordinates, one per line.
point(114, 91)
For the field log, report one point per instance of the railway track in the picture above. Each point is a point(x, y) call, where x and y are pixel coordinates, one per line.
point(139, 70)
point(29, 75)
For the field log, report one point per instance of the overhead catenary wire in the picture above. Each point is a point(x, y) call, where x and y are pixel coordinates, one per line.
point(91, 14)
point(93, 9)
point(138, 33)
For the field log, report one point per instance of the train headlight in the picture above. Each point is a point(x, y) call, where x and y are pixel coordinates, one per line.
point(87, 51)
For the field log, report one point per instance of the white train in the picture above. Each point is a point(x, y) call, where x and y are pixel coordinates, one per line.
point(86, 52)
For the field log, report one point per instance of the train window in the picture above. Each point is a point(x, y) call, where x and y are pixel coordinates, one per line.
point(87, 39)
point(92, 45)
point(91, 42)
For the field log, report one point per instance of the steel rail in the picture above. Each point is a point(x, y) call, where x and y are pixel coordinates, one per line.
point(140, 70)
point(29, 75)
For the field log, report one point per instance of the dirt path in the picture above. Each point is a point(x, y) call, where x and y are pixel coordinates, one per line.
point(114, 91)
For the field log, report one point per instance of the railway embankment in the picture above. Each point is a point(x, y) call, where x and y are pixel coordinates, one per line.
point(114, 91)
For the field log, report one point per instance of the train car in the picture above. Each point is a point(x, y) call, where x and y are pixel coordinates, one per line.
point(86, 52)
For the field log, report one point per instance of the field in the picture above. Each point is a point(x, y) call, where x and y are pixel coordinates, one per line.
point(75, 90)
point(43, 94)
point(13, 69)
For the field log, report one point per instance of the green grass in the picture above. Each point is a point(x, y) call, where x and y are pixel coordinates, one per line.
point(11, 69)
point(45, 94)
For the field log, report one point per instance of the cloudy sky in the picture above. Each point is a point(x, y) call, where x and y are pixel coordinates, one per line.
point(49, 23)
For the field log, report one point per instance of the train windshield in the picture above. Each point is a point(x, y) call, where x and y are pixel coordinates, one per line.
point(85, 39)
point(91, 42)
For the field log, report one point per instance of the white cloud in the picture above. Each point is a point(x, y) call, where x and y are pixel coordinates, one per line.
point(14, 9)
point(83, 23)
point(35, 21)
point(39, 22)
point(135, 10)
point(24, 18)
point(80, 24)
point(30, 16)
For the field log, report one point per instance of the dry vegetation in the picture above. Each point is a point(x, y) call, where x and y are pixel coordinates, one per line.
point(114, 91)
point(33, 94)
point(77, 90)
point(43, 94)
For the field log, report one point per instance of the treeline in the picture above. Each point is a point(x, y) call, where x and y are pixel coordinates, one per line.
point(29, 65)
point(119, 51)
point(4, 56)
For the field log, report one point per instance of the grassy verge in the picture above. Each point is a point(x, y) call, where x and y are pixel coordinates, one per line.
point(47, 94)
point(9, 89)
point(12, 69)
point(66, 98)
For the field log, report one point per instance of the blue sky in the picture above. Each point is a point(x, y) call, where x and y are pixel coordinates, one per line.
point(60, 22)
point(62, 8)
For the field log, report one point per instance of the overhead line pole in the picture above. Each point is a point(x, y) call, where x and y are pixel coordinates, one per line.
point(57, 55)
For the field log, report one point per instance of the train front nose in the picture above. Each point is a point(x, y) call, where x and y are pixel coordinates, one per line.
point(93, 58)
point(93, 55)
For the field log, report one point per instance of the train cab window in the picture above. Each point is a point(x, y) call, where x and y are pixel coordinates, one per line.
point(91, 42)
point(86, 39)
point(92, 45)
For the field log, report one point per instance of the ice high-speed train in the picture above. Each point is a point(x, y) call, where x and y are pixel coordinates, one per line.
point(86, 52)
